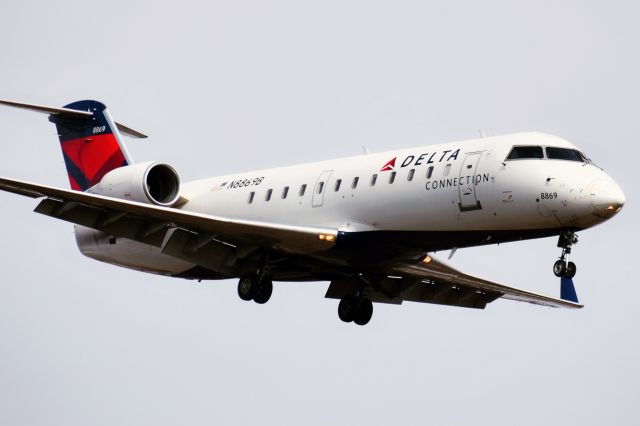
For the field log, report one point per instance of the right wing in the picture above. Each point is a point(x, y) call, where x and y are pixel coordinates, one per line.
point(414, 280)
point(442, 273)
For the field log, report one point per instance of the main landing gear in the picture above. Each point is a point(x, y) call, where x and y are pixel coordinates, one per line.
point(562, 268)
point(253, 287)
point(356, 309)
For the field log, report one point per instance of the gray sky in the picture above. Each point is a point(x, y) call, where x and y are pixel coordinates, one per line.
point(230, 86)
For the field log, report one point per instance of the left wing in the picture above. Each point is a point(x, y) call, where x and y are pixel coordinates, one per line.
point(151, 224)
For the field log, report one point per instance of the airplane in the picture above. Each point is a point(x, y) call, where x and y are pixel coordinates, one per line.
point(368, 224)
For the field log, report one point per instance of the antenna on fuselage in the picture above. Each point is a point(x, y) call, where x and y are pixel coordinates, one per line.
point(482, 133)
point(365, 150)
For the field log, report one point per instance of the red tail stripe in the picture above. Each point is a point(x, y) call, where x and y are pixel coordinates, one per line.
point(92, 154)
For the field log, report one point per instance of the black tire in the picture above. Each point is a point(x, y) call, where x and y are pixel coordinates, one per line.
point(263, 294)
point(559, 268)
point(364, 312)
point(248, 287)
point(570, 270)
point(346, 308)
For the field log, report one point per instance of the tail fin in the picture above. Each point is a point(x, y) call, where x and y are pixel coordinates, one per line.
point(90, 140)
point(91, 145)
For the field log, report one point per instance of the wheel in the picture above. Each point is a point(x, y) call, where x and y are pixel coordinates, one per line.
point(559, 268)
point(263, 294)
point(364, 311)
point(570, 270)
point(346, 308)
point(248, 287)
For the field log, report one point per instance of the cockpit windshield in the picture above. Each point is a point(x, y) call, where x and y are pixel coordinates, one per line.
point(532, 152)
point(525, 152)
point(564, 154)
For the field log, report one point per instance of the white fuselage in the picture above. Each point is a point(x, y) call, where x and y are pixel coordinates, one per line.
point(456, 188)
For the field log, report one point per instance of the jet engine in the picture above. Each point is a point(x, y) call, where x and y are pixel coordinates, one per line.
point(151, 182)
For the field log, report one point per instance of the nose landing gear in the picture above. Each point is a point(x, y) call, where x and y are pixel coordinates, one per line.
point(562, 268)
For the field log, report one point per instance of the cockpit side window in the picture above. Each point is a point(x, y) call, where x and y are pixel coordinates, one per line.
point(564, 154)
point(588, 160)
point(525, 152)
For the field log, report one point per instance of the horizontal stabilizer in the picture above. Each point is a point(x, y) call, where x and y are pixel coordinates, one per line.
point(67, 112)
point(48, 110)
point(130, 132)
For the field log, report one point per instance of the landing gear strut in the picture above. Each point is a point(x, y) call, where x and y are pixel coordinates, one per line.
point(562, 268)
point(356, 309)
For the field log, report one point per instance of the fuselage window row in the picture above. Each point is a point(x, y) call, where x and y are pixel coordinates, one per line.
point(338, 184)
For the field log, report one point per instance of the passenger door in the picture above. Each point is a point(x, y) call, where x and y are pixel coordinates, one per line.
point(317, 200)
point(467, 183)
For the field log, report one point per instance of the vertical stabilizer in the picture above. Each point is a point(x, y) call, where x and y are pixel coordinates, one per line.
point(91, 145)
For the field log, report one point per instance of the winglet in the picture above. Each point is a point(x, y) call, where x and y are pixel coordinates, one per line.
point(568, 290)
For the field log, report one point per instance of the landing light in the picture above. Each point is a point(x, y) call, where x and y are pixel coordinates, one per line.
point(427, 259)
point(327, 237)
point(614, 208)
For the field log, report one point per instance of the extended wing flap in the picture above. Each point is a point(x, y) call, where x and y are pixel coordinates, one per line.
point(112, 222)
point(129, 219)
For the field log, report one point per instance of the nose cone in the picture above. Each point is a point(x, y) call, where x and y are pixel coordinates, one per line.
point(607, 198)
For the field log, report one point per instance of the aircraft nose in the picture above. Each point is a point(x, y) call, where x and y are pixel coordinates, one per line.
point(607, 198)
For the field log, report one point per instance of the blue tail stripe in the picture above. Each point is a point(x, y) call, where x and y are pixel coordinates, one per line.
point(76, 173)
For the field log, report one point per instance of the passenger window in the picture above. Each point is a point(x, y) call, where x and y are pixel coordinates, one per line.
point(354, 184)
point(429, 172)
point(251, 195)
point(320, 187)
point(267, 197)
point(303, 189)
point(285, 192)
point(525, 152)
point(564, 154)
point(410, 175)
point(392, 177)
point(447, 169)
point(374, 178)
point(337, 186)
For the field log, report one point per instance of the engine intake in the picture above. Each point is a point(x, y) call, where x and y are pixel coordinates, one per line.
point(152, 182)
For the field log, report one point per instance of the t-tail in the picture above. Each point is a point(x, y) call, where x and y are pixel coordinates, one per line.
point(90, 140)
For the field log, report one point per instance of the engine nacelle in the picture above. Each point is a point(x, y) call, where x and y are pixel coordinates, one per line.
point(152, 183)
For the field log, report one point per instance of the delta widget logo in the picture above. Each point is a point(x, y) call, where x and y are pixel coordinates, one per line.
point(391, 165)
